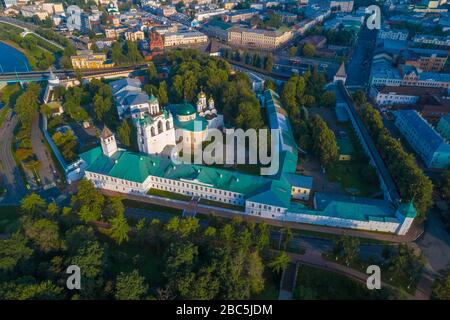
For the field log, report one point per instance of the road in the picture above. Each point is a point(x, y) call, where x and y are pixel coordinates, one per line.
point(47, 170)
point(358, 68)
point(10, 174)
point(29, 28)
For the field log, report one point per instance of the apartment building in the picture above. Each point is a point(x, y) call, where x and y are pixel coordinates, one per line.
point(86, 59)
point(401, 95)
point(342, 5)
point(424, 139)
point(257, 38)
point(134, 35)
point(184, 37)
point(424, 59)
point(240, 15)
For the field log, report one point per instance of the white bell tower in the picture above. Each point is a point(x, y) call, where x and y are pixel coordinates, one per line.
point(108, 142)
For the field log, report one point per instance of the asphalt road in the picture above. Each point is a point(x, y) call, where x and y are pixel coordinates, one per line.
point(358, 68)
point(47, 170)
point(9, 172)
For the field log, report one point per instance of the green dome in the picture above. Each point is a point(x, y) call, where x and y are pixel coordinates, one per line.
point(152, 99)
point(185, 109)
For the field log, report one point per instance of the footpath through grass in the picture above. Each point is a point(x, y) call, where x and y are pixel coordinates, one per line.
point(317, 284)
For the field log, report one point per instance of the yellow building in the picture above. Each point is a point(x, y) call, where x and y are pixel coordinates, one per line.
point(135, 35)
point(88, 60)
point(257, 38)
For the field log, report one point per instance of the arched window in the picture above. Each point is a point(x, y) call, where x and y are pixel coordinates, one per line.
point(167, 125)
point(152, 131)
point(160, 127)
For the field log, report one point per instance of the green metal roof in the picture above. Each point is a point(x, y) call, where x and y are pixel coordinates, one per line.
point(354, 208)
point(182, 109)
point(407, 209)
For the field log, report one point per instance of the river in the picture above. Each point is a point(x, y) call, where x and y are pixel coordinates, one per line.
point(12, 60)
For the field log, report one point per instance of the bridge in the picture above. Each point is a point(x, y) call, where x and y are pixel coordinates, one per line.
point(36, 76)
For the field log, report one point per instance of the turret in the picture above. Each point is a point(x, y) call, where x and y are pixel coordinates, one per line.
point(108, 142)
point(201, 103)
point(153, 104)
point(211, 103)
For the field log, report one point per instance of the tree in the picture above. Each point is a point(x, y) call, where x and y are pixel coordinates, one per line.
point(88, 201)
point(13, 251)
point(151, 72)
point(324, 142)
point(328, 99)
point(293, 51)
point(44, 233)
point(441, 287)
point(269, 84)
point(91, 258)
point(268, 63)
point(32, 204)
point(444, 184)
point(124, 132)
point(279, 262)
point(308, 50)
point(347, 248)
point(130, 286)
point(119, 228)
point(30, 291)
point(162, 94)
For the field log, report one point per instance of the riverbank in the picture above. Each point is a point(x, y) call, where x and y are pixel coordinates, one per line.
point(40, 54)
point(30, 59)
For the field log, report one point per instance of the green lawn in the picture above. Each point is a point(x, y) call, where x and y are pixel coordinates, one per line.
point(168, 194)
point(348, 174)
point(271, 287)
point(387, 275)
point(222, 205)
point(129, 256)
point(318, 284)
point(9, 219)
point(151, 207)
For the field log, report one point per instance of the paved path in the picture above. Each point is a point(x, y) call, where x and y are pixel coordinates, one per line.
point(47, 171)
point(10, 174)
point(288, 280)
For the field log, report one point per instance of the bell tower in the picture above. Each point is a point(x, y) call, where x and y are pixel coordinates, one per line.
point(108, 142)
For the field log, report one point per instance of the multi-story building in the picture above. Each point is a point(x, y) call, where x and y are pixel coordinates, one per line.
point(383, 73)
point(8, 3)
point(386, 33)
point(424, 59)
point(425, 140)
point(134, 35)
point(34, 10)
point(401, 95)
point(257, 38)
point(86, 59)
point(114, 33)
point(184, 37)
point(443, 127)
point(240, 15)
point(342, 5)
point(156, 41)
